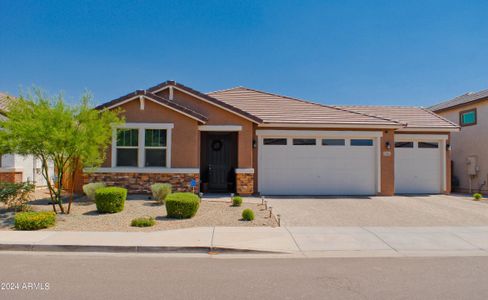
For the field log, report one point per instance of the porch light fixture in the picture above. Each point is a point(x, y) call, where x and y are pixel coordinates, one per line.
point(448, 147)
point(254, 144)
point(387, 145)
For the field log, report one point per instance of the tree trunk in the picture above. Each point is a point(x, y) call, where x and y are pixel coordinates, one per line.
point(73, 174)
point(45, 174)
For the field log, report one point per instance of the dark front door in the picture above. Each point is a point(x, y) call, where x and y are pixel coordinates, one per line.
point(219, 159)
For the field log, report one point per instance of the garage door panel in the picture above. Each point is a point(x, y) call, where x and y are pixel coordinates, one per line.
point(418, 170)
point(317, 170)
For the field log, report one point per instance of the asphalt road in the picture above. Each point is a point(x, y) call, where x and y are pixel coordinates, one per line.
point(108, 276)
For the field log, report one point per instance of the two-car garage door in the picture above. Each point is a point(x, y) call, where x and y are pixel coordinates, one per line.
point(311, 165)
point(347, 163)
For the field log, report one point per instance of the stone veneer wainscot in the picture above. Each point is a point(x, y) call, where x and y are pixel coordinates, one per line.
point(141, 182)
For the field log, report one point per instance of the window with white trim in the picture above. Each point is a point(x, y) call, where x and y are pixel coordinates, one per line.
point(142, 145)
point(127, 148)
point(155, 147)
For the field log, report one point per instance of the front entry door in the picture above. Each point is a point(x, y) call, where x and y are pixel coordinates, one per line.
point(220, 160)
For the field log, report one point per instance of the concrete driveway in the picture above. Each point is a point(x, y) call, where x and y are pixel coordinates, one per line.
point(431, 210)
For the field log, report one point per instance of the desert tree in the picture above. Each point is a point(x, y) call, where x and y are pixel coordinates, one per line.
point(50, 129)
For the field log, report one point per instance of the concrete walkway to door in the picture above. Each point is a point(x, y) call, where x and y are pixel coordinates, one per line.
point(431, 210)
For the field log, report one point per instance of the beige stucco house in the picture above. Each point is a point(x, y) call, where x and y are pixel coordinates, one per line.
point(246, 141)
point(470, 145)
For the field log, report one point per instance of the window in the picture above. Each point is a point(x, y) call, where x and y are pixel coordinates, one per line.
point(333, 142)
point(428, 145)
point(304, 142)
point(274, 141)
point(403, 144)
point(155, 148)
point(361, 142)
point(142, 145)
point(468, 117)
point(127, 147)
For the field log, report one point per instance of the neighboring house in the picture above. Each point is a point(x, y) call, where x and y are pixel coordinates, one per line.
point(247, 141)
point(15, 167)
point(470, 145)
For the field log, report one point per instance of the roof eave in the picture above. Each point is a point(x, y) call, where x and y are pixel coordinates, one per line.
point(330, 125)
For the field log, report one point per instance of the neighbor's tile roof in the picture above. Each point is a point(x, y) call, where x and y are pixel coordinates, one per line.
point(412, 117)
point(4, 102)
point(461, 100)
point(272, 108)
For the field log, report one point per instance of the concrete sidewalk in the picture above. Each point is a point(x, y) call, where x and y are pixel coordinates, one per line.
point(299, 241)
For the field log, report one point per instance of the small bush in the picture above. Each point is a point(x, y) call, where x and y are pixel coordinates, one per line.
point(90, 189)
point(182, 205)
point(160, 191)
point(477, 196)
point(15, 195)
point(110, 199)
point(248, 214)
point(236, 201)
point(34, 220)
point(143, 222)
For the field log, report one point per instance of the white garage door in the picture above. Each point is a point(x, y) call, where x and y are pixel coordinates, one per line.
point(418, 166)
point(317, 166)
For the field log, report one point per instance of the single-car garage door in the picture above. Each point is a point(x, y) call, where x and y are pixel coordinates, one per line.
point(418, 166)
point(335, 165)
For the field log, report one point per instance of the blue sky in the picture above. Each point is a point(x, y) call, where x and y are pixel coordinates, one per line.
point(334, 52)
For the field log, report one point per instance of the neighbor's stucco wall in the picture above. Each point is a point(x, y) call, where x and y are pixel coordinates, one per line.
point(470, 141)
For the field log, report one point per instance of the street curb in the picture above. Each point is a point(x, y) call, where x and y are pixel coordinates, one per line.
point(129, 249)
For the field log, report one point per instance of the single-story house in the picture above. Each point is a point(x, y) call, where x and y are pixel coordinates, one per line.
point(469, 154)
point(247, 141)
point(15, 167)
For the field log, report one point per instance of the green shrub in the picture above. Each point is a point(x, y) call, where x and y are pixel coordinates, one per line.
point(236, 201)
point(15, 195)
point(182, 205)
point(90, 189)
point(160, 191)
point(477, 196)
point(110, 199)
point(143, 222)
point(248, 214)
point(34, 220)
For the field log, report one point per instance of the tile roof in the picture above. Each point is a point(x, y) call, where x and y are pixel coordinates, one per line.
point(272, 108)
point(5, 100)
point(164, 101)
point(412, 117)
point(461, 100)
point(207, 97)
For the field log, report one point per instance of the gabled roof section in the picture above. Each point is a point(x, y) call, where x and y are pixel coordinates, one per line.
point(412, 117)
point(465, 99)
point(208, 98)
point(276, 109)
point(158, 99)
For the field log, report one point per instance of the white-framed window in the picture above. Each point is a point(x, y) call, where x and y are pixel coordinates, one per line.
point(142, 145)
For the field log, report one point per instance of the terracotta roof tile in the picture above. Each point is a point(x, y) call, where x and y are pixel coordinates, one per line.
point(413, 117)
point(156, 98)
point(272, 108)
point(5, 100)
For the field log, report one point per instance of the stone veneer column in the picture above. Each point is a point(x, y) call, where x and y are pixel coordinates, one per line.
point(245, 182)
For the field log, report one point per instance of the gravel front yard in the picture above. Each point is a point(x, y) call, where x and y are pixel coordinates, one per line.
point(84, 216)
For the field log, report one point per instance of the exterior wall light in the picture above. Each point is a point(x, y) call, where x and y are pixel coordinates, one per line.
point(254, 144)
point(448, 147)
point(387, 145)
